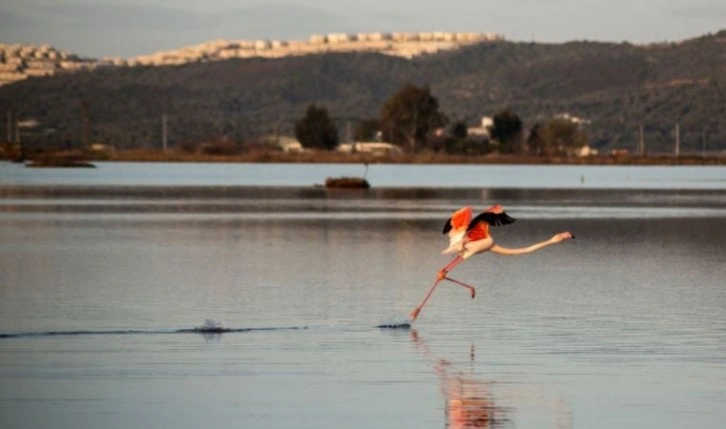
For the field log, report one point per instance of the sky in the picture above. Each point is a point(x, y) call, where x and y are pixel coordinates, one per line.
point(128, 28)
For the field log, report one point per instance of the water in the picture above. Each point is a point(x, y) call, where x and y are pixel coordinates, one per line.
point(379, 175)
point(623, 327)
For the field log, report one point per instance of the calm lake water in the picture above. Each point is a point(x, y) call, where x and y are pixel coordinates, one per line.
point(379, 175)
point(102, 278)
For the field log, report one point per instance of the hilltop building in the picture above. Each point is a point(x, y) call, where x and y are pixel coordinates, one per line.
point(18, 62)
point(405, 45)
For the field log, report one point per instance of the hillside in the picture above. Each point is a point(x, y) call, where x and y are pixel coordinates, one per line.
point(617, 87)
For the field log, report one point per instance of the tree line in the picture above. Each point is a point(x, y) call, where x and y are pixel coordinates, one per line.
point(412, 119)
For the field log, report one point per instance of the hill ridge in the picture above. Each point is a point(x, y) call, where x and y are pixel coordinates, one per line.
point(619, 87)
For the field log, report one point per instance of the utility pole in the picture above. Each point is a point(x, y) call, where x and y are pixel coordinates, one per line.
point(85, 107)
point(277, 133)
point(9, 131)
point(18, 142)
point(703, 142)
point(642, 140)
point(678, 139)
point(163, 132)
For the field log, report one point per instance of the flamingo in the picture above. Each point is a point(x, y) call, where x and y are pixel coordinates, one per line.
point(469, 237)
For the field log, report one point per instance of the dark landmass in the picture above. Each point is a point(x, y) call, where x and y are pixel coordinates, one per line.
point(410, 158)
point(86, 159)
point(59, 160)
point(618, 87)
point(347, 183)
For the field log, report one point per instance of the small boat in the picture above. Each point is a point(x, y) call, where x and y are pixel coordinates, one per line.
point(346, 183)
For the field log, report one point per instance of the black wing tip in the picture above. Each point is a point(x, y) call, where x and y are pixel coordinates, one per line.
point(505, 219)
point(447, 226)
point(493, 219)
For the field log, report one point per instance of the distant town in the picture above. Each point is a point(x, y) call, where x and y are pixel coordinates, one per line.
point(19, 62)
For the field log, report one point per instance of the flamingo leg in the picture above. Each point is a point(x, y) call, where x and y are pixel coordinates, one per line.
point(441, 275)
point(450, 266)
point(417, 310)
point(472, 289)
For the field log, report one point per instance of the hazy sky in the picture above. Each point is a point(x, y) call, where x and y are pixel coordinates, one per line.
point(133, 27)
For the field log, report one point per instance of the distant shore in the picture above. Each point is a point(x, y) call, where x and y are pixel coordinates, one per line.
point(61, 159)
point(419, 158)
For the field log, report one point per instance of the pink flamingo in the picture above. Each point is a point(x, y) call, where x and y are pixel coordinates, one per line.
point(468, 237)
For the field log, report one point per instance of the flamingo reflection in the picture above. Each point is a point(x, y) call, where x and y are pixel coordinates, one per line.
point(469, 402)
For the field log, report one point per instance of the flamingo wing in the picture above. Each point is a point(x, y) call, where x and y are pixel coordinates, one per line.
point(494, 216)
point(447, 226)
point(459, 220)
point(455, 227)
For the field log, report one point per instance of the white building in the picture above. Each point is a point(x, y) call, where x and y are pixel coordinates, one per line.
point(286, 144)
point(572, 118)
point(375, 148)
point(585, 151)
point(482, 131)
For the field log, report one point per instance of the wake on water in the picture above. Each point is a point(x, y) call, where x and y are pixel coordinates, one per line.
point(210, 326)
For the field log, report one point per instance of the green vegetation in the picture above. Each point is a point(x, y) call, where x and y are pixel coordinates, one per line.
point(367, 129)
point(409, 115)
point(315, 130)
point(506, 130)
point(619, 88)
point(558, 137)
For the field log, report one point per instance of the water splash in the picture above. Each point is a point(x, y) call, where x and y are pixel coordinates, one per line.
point(396, 322)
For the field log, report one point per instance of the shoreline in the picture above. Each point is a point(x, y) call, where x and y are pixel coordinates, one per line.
point(419, 158)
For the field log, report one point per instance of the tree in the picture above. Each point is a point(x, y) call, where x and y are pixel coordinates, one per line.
point(560, 136)
point(459, 130)
point(409, 115)
point(506, 129)
point(366, 129)
point(535, 140)
point(316, 130)
point(458, 142)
